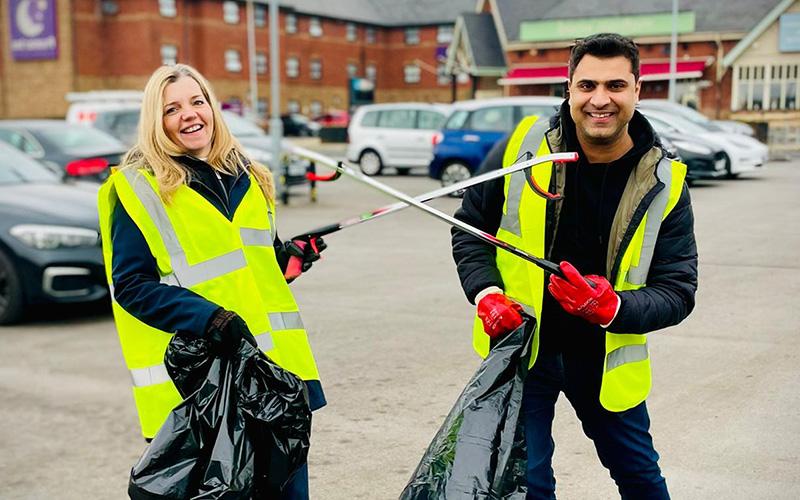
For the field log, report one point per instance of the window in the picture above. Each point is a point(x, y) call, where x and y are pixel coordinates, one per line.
point(169, 54)
point(293, 106)
point(411, 73)
point(315, 69)
point(369, 34)
point(316, 108)
point(291, 23)
point(262, 107)
point(315, 27)
point(230, 12)
point(233, 62)
point(444, 34)
point(167, 8)
point(457, 120)
point(261, 63)
point(352, 33)
point(371, 72)
point(352, 70)
point(398, 118)
point(292, 67)
point(370, 119)
point(497, 119)
point(765, 87)
point(538, 110)
point(462, 78)
point(412, 36)
point(260, 15)
point(442, 77)
point(430, 120)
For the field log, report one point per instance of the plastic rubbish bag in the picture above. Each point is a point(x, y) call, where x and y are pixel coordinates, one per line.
point(479, 452)
point(241, 432)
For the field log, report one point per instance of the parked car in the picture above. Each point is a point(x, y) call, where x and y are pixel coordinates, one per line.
point(703, 160)
point(49, 245)
point(743, 153)
point(334, 118)
point(258, 145)
point(297, 125)
point(474, 127)
point(398, 135)
point(665, 106)
point(67, 149)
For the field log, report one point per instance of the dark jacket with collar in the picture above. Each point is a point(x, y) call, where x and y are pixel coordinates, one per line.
point(137, 284)
point(602, 206)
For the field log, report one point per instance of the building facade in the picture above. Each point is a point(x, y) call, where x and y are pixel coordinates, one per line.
point(735, 59)
point(116, 44)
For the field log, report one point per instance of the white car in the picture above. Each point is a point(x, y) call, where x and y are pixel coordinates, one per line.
point(666, 106)
point(745, 153)
point(398, 135)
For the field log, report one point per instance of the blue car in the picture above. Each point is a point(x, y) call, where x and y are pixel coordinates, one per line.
point(475, 126)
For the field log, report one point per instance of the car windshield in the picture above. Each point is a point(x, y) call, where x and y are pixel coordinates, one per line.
point(457, 120)
point(681, 124)
point(18, 168)
point(241, 127)
point(684, 112)
point(66, 136)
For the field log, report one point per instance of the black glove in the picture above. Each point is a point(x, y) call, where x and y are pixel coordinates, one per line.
point(302, 253)
point(226, 330)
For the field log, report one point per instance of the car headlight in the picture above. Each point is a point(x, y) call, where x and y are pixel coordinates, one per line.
point(692, 147)
point(44, 237)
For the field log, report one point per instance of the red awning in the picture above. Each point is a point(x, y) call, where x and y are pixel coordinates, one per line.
point(648, 71)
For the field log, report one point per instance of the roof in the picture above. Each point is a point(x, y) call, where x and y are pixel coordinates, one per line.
point(738, 16)
point(385, 12)
point(484, 44)
point(756, 32)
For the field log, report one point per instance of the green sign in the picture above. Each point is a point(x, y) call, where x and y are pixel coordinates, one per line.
point(638, 25)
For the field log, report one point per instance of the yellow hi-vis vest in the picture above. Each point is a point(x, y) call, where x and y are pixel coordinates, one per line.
point(230, 263)
point(626, 376)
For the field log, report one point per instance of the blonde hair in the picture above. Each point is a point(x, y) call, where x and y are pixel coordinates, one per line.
point(156, 152)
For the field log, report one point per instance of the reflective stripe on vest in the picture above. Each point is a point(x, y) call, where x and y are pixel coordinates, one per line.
point(637, 275)
point(528, 146)
point(626, 354)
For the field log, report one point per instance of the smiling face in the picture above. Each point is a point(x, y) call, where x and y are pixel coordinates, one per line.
point(187, 117)
point(602, 96)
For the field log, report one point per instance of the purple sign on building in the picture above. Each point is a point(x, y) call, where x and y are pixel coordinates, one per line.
point(33, 29)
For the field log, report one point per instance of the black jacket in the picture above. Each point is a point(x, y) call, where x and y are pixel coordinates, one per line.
point(580, 235)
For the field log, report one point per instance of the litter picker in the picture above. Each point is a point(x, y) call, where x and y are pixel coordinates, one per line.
point(342, 168)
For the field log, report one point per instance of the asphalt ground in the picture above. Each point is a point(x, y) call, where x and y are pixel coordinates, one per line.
point(391, 331)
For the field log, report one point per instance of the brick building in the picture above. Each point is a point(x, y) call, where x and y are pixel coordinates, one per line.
point(727, 52)
point(116, 44)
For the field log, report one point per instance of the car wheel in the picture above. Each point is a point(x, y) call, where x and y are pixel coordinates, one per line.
point(454, 173)
point(11, 301)
point(370, 162)
point(403, 171)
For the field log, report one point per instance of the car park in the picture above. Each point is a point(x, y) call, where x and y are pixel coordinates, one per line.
point(669, 107)
point(49, 245)
point(397, 135)
point(68, 149)
point(744, 154)
point(474, 127)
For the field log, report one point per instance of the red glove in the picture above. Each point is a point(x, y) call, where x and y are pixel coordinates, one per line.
point(598, 304)
point(303, 252)
point(500, 315)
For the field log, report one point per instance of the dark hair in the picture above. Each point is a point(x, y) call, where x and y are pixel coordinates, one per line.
point(605, 45)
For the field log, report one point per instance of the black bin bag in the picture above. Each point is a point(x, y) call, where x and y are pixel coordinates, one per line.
point(241, 432)
point(479, 452)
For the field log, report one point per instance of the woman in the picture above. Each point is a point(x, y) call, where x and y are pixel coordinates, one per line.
point(190, 247)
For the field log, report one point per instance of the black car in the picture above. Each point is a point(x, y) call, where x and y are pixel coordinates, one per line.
point(72, 150)
point(702, 160)
point(49, 245)
point(297, 125)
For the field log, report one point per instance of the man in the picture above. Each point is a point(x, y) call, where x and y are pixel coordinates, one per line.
point(623, 234)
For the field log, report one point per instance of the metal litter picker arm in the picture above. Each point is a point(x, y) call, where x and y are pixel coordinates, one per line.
point(395, 207)
point(548, 266)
